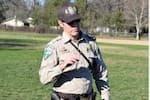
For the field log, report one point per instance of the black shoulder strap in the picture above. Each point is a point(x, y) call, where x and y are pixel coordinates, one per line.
point(91, 37)
point(90, 65)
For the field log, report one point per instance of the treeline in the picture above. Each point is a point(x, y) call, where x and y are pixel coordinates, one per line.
point(112, 16)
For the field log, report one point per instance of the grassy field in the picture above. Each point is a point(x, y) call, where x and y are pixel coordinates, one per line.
point(20, 57)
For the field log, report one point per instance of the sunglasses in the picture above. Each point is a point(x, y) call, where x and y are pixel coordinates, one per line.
point(74, 23)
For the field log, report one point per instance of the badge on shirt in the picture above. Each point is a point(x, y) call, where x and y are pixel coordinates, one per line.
point(64, 50)
point(47, 52)
point(88, 48)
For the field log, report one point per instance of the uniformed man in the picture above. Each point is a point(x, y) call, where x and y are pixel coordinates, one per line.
point(70, 61)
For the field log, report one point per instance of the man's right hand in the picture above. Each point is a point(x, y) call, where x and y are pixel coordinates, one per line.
point(69, 60)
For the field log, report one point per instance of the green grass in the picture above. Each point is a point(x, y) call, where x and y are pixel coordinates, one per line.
point(128, 71)
point(20, 58)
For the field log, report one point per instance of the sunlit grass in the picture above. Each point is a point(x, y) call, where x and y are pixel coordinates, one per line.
point(20, 58)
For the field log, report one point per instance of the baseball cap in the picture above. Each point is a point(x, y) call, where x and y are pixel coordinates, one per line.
point(68, 12)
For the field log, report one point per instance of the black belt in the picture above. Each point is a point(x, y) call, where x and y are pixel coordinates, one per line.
point(58, 96)
point(70, 96)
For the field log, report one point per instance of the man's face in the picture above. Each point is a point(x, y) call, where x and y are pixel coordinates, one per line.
point(71, 28)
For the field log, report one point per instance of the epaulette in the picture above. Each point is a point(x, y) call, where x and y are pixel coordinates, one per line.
point(55, 40)
point(91, 37)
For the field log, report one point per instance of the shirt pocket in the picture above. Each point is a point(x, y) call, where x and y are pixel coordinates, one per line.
point(91, 57)
point(62, 53)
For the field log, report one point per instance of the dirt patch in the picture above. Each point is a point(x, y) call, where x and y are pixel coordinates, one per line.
point(119, 41)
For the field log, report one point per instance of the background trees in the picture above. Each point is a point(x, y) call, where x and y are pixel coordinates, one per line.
point(108, 13)
point(16, 8)
point(3, 8)
point(115, 15)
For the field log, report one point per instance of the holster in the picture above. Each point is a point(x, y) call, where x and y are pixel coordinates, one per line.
point(54, 96)
point(93, 95)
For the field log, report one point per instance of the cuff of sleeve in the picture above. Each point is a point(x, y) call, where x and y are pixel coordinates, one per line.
point(105, 95)
point(48, 75)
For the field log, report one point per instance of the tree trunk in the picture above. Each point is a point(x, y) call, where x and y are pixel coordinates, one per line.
point(137, 32)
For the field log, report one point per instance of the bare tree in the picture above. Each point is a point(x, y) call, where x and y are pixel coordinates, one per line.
point(136, 11)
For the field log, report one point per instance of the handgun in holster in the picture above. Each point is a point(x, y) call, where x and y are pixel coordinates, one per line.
point(54, 96)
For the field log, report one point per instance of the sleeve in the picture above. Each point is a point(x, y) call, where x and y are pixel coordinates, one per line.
point(100, 73)
point(49, 66)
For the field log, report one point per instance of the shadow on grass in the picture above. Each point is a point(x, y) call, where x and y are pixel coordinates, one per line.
point(17, 44)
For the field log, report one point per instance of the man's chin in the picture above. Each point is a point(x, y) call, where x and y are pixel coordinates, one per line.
point(75, 33)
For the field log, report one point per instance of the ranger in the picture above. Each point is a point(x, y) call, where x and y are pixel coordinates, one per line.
point(71, 60)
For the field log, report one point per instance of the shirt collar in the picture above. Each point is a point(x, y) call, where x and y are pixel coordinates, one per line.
point(66, 37)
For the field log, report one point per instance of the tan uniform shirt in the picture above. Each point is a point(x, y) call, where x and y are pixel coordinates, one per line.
point(76, 78)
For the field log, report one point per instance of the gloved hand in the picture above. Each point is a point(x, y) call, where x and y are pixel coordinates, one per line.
point(105, 95)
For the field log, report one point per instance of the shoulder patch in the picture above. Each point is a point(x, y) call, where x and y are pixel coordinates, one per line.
point(50, 47)
point(47, 52)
